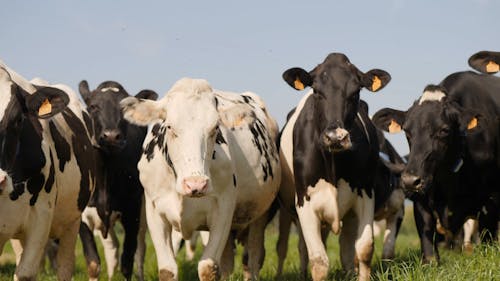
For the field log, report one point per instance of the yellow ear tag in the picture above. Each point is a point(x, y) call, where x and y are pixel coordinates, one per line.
point(492, 67)
point(472, 124)
point(394, 127)
point(297, 84)
point(376, 84)
point(45, 108)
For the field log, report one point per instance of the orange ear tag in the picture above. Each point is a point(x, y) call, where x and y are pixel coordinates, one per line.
point(297, 84)
point(472, 124)
point(394, 127)
point(45, 108)
point(492, 67)
point(376, 84)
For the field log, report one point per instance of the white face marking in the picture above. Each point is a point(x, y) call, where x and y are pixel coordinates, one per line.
point(431, 96)
point(113, 89)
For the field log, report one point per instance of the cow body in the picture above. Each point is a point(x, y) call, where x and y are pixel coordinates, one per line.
point(209, 163)
point(47, 170)
point(328, 152)
point(120, 146)
point(453, 161)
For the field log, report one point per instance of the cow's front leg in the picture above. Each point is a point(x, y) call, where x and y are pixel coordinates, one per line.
point(66, 252)
point(29, 252)
point(110, 245)
point(255, 246)
point(131, 228)
point(141, 243)
point(365, 209)
point(311, 230)
point(426, 228)
point(161, 235)
point(220, 225)
point(90, 251)
point(347, 240)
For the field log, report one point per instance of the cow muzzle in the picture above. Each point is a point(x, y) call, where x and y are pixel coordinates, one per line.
point(412, 182)
point(336, 140)
point(5, 183)
point(112, 140)
point(195, 186)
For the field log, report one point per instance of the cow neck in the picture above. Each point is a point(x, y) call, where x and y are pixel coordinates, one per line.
point(364, 127)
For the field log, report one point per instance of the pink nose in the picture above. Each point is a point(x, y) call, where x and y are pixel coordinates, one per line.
point(195, 186)
point(3, 180)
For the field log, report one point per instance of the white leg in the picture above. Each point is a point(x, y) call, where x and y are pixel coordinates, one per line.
point(111, 255)
point(29, 252)
point(160, 231)
point(470, 230)
point(364, 209)
point(176, 241)
point(392, 228)
point(311, 229)
point(190, 245)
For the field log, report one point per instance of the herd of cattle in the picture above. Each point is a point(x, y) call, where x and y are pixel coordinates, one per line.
point(215, 161)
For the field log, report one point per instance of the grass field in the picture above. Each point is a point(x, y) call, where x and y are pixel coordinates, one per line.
point(483, 264)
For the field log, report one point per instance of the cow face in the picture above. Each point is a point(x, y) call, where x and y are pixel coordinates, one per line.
point(19, 109)
point(434, 129)
point(188, 125)
point(338, 83)
point(103, 104)
point(485, 62)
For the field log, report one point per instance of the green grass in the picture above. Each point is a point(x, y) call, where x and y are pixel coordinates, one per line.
point(483, 264)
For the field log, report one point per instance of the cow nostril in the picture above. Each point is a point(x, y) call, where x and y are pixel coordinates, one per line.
point(417, 182)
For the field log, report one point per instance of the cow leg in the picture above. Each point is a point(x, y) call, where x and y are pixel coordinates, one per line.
point(110, 245)
point(285, 223)
point(161, 235)
point(66, 252)
point(141, 243)
point(219, 233)
point(393, 225)
point(304, 258)
point(470, 229)
point(131, 227)
point(311, 229)
point(255, 246)
point(365, 209)
point(176, 241)
point(227, 259)
point(29, 253)
point(426, 228)
point(347, 240)
point(190, 246)
point(90, 251)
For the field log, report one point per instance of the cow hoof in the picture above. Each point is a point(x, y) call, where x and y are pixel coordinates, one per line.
point(208, 270)
point(166, 275)
point(468, 249)
point(430, 260)
point(93, 269)
point(319, 269)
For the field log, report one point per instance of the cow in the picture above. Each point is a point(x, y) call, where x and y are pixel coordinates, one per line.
point(453, 134)
point(47, 170)
point(120, 146)
point(329, 150)
point(209, 163)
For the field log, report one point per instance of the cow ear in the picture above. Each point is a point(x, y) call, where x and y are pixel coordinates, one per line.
point(46, 102)
point(147, 95)
point(297, 78)
point(236, 116)
point(375, 79)
point(389, 120)
point(485, 62)
point(142, 112)
point(83, 87)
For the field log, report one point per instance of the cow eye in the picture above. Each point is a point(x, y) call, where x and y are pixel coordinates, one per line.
point(443, 132)
point(93, 108)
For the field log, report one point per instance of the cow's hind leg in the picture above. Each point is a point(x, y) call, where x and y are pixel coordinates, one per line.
point(66, 252)
point(255, 246)
point(110, 245)
point(391, 231)
point(90, 251)
point(285, 223)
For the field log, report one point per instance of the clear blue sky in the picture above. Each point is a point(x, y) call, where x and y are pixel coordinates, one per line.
point(241, 46)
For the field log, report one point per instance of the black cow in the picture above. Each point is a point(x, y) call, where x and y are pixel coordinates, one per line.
point(329, 152)
point(453, 134)
point(47, 170)
point(120, 144)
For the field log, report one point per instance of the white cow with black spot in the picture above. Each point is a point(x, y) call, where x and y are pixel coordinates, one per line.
point(209, 163)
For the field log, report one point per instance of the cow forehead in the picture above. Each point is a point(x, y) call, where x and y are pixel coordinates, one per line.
point(191, 109)
point(427, 116)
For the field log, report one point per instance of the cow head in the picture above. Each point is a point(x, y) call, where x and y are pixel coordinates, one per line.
point(435, 128)
point(485, 62)
point(188, 126)
point(103, 104)
point(21, 105)
point(338, 82)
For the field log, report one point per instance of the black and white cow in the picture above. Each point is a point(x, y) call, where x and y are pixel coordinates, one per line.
point(453, 166)
point(120, 145)
point(209, 163)
point(329, 152)
point(47, 170)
